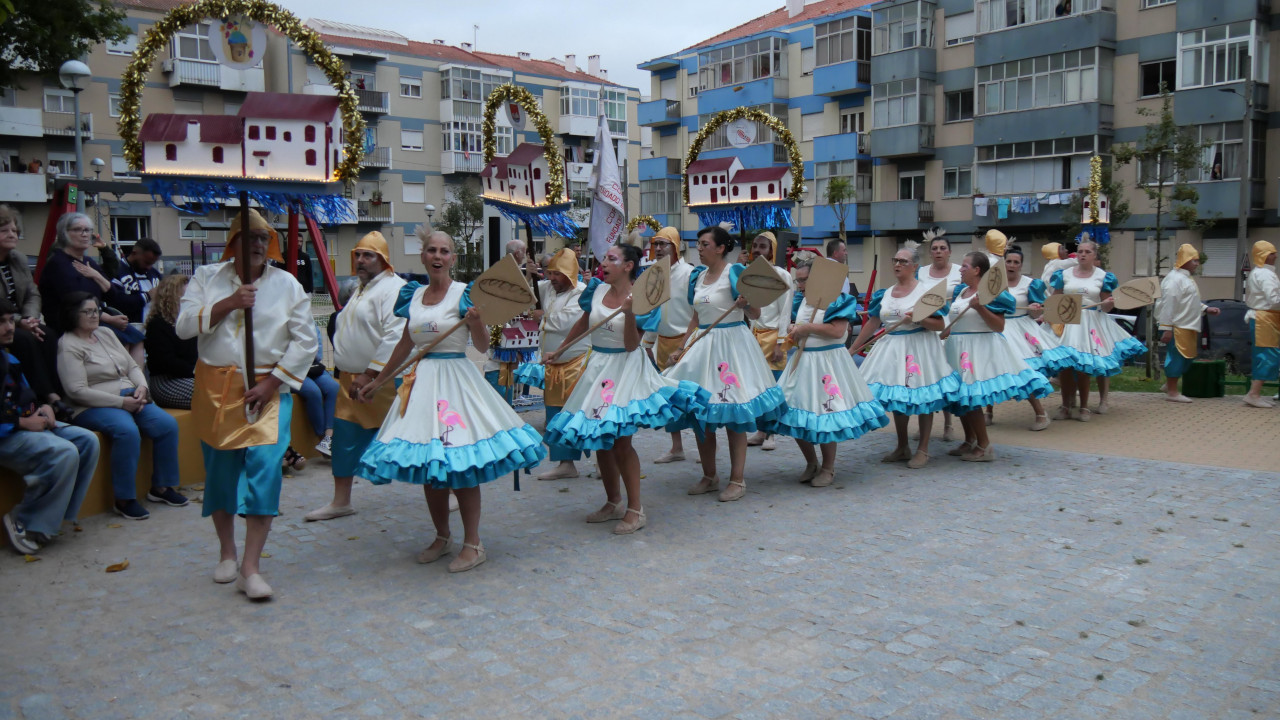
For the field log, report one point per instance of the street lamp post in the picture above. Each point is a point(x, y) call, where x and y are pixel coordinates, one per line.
point(97, 164)
point(1246, 176)
point(74, 76)
point(431, 210)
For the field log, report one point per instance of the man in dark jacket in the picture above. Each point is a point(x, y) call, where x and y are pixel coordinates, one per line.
point(131, 291)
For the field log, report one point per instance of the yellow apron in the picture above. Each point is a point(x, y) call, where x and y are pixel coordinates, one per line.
point(768, 340)
point(367, 415)
point(560, 379)
point(218, 407)
point(1185, 340)
point(667, 344)
point(1266, 327)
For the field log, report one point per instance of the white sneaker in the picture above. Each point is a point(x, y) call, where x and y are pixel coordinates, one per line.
point(325, 446)
point(769, 444)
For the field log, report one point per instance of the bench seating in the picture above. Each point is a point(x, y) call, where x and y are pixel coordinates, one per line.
point(190, 463)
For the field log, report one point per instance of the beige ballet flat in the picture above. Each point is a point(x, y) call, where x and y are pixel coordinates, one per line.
point(626, 528)
point(898, 455)
point(1042, 422)
point(962, 449)
point(705, 485)
point(610, 511)
point(459, 565)
point(809, 472)
point(824, 478)
point(429, 556)
point(919, 460)
point(733, 491)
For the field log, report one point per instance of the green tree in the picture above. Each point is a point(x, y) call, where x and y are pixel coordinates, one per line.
point(1168, 157)
point(462, 217)
point(40, 36)
point(840, 196)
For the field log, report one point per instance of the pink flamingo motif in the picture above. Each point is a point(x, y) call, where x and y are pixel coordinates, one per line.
point(729, 379)
point(606, 396)
point(1034, 342)
point(449, 418)
point(832, 390)
point(913, 369)
point(1097, 339)
point(966, 365)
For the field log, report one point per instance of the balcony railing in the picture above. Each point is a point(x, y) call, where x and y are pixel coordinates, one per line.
point(459, 162)
point(863, 213)
point(369, 211)
point(23, 187)
point(925, 211)
point(378, 157)
point(193, 72)
point(65, 124)
point(995, 15)
point(372, 100)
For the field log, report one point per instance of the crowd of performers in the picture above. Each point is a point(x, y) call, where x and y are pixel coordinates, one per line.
point(442, 426)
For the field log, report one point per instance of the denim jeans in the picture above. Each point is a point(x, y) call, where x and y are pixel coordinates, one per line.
point(57, 466)
point(321, 398)
point(125, 429)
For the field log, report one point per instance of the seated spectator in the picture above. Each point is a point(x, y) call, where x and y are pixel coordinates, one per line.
point(37, 352)
point(56, 460)
point(132, 292)
point(320, 393)
point(109, 394)
point(171, 361)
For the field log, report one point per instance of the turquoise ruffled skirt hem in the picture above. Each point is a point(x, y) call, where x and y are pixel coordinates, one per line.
point(531, 374)
point(669, 405)
point(916, 401)
point(993, 391)
point(1052, 362)
point(462, 466)
point(755, 414)
point(834, 427)
point(1104, 365)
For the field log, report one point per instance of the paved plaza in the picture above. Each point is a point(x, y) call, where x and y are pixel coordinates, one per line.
point(1050, 584)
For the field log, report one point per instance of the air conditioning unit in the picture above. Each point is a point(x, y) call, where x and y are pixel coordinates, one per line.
point(167, 66)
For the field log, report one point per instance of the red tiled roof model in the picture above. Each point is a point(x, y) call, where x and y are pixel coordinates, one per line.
point(287, 106)
point(222, 129)
point(751, 175)
point(526, 153)
point(711, 165)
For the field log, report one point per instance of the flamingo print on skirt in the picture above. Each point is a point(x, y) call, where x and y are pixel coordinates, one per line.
point(966, 364)
point(449, 418)
point(1097, 340)
point(729, 379)
point(1034, 342)
point(913, 369)
point(606, 398)
point(833, 391)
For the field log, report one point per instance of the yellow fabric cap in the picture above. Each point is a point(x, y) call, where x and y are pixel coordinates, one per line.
point(565, 262)
point(997, 242)
point(1050, 251)
point(773, 245)
point(1186, 253)
point(374, 243)
point(1260, 251)
point(256, 222)
point(672, 236)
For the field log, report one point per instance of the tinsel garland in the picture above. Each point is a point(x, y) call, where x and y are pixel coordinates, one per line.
point(159, 36)
point(752, 215)
point(1095, 187)
point(646, 220)
point(200, 197)
point(551, 150)
point(545, 219)
point(764, 118)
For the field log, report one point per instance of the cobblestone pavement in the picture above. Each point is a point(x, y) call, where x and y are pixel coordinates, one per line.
point(1046, 585)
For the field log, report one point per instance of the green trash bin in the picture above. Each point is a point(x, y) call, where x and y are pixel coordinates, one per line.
point(1205, 379)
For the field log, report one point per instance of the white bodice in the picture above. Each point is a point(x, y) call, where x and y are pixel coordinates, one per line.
point(971, 321)
point(710, 301)
point(427, 322)
point(1090, 287)
point(953, 277)
point(609, 335)
point(893, 309)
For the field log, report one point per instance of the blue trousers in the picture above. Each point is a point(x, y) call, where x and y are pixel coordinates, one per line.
point(1266, 361)
point(1175, 365)
point(247, 481)
point(57, 466)
point(560, 453)
point(321, 398)
point(349, 443)
point(125, 429)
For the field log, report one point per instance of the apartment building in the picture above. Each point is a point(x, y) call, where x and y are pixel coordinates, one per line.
point(985, 114)
point(422, 103)
point(806, 64)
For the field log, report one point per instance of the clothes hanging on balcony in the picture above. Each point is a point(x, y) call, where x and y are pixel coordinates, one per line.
point(1002, 208)
point(980, 206)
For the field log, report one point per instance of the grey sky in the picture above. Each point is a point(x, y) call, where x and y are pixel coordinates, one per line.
point(622, 33)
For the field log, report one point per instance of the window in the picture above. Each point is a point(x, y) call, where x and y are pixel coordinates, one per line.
point(410, 87)
point(310, 157)
point(1039, 166)
point(465, 136)
point(58, 101)
point(129, 229)
point(288, 136)
point(810, 126)
point(660, 197)
point(1148, 257)
point(902, 27)
point(217, 153)
point(842, 40)
point(959, 105)
point(253, 132)
point(62, 164)
point(902, 102)
point(852, 121)
point(996, 15)
point(615, 110)
point(719, 139)
point(192, 43)
point(189, 229)
point(1220, 258)
point(120, 168)
point(271, 132)
point(414, 193)
point(957, 182)
point(1221, 158)
point(231, 108)
point(468, 88)
point(579, 101)
point(123, 47)
point(1044, 81)
point(537, 173)
point(857, 172)
point(1156, 75)
point(911, 185)
point(1155, 3)
point(309, 134)
point(744, 62)
point(1217, 55)
point(410, 139)
point(113, 104)
point(960, 28)
point(170, 152)
point(504, 141)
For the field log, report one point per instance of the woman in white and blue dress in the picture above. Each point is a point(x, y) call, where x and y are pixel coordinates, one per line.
point(1036, 343)
point(619, 390)
point(1097, 345)
point(990, 368)
point(727, 362)
point(907, 370)
point(447, 430)
point(940, 268)
point(827, 399)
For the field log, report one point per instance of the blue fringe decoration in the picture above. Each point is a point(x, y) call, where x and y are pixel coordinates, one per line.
point(507, 355)
point(1100, 233)
point(747, 216)
point(200, 197)
point(545, 219)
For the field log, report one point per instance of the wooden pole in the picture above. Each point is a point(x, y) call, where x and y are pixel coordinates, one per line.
point(250, 377)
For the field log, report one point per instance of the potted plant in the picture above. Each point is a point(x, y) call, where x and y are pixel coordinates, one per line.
point(376, 198)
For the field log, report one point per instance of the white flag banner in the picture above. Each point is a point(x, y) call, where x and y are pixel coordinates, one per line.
point(608, 216)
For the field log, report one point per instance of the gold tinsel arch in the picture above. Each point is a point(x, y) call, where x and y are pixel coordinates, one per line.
point(646, 220)
point(764, 118)
point(526, 100)
point(135, 75)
